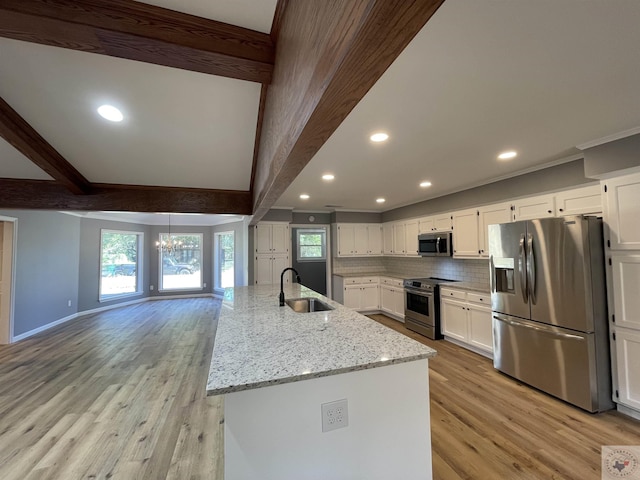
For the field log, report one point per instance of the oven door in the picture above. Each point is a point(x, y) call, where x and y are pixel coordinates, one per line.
point(419, 312)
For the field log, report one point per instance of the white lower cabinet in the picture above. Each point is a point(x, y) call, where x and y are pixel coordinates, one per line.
point(628, 359)
point(370, 294)
point(466, 318)
point(361, 294)
point(392, 300)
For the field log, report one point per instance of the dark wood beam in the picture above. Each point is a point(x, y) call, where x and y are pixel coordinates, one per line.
point(15, 130)
point(138, 31)
point(334, 52)
point(47, 195)
point(256, 143)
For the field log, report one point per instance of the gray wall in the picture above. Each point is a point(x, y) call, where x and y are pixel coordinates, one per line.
point(278, 215)
point(302, 218)
point(47, 266)
point(559, 177)
point(356, 217)
point(89, 274)
point(240, 232)
point(611, 157)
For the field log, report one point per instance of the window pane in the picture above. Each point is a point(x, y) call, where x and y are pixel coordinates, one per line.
point(310, 252)
point(311, 245)
point(119, 263)
point(180, 268)
point(310, 239)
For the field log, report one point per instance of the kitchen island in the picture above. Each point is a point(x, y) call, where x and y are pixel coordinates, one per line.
point(276, 368)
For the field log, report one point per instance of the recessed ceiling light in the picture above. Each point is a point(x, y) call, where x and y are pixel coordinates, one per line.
point(425, 184)
point(304, 196)
point(110, 113)
point(379, 137)
point(380, 200)
point(507, 155)
point(328, 177)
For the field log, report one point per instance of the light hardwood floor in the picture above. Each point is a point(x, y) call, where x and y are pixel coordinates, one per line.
point(121, 395)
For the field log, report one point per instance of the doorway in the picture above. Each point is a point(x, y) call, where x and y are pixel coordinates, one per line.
point(7, 277)
point(224, 245)
point(309, 256)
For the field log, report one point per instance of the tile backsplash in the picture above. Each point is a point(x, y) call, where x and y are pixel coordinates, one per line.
point(473, 271)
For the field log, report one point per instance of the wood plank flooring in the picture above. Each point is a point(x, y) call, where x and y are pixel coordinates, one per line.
point(121, 395)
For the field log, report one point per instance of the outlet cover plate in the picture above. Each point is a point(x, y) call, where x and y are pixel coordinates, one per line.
point(334, 415)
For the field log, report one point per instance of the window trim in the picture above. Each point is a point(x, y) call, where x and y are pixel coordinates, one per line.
point(139, 266)
point(160, 269)
point(323, 246)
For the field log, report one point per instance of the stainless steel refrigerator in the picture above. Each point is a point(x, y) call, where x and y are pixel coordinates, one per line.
point(548, 299)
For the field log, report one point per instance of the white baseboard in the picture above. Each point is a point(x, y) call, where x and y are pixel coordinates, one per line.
point(469, 347)
point(84, 313)
point(628, 411)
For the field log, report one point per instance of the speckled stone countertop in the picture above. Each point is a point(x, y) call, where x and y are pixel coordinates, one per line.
point(372, 274)
point(472, 287)
point(259, 343)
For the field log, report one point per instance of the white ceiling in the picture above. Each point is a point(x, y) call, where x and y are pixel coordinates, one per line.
point(539, 77)
point(482, 77)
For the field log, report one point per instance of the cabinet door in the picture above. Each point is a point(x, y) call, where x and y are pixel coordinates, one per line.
point(480, 327)
point(387, 237)
point(425, 225)
point(361, 240)
point(442, 223)
point(374, 233)
point(387, 299)
point(263, 238)
point(622, 211)
point(280, 239)
point(263, 270)
point(352, 296)
point(411, 237)
point(346, 240)
point(399, 297)
point(542, 206)
point(399, 239)
point(454, 319)
point(280, 262)
point(465, 233)
point(626, 278)
point(579, 201)
point(370, 297)
point(490, 215)
point(628, 358)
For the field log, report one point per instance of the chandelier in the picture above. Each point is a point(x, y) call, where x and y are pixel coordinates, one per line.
point(170, 245)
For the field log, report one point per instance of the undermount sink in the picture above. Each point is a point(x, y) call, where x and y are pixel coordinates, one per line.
point(308, 304)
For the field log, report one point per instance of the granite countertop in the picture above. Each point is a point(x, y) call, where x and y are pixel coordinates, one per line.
point(259, 343)
point(371, 274)
point(469, 286)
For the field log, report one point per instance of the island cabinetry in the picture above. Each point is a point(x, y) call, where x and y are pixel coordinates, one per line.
point(354, 239)
point(272, 243)
point(466, 319)
point(392, 297)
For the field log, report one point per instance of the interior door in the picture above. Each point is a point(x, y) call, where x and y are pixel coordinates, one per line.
point(507, 260)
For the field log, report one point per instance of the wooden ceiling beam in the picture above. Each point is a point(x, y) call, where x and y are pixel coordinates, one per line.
point(142, 32)
point(48, 195)
point(15, 130)
point(333, 54)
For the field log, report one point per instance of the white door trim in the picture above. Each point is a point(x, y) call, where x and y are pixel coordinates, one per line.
point(9, 258)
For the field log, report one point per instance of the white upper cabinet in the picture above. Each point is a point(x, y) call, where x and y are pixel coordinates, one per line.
point(399, 239)
point(626, 279)
point(361, 239)
point(489, 215)
point(346, 240)
point(579, 201)
point(358, 239)
point(387, 237)
point(425, 225)
point(411, 229)
point(272, 238)
point(622, 211)
point(441, 222)
point(374, 237)
point(542, 206)
point(465, 233)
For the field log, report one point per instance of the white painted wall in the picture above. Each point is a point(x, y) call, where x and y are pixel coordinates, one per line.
point(275, 433)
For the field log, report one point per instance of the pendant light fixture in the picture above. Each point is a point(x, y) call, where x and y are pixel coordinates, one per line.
point(170, 245)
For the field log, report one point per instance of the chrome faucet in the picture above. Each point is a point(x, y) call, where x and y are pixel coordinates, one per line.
point(282, 283)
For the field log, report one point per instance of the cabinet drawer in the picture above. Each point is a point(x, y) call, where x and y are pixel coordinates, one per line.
point(446, 293)
point(480, 298)
point(352, 280)
point(369, 280)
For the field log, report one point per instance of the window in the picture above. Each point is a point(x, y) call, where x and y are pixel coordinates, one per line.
point(225, 246)
point(311, 245)
point(120, 254)
point(181, 269)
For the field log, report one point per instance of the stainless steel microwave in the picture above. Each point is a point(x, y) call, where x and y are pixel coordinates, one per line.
point(435, 244)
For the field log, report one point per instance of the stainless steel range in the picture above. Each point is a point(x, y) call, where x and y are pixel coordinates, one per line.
point(422, 306)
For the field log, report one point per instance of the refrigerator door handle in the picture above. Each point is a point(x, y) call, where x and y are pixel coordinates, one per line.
point(531, 269)
point(522, 268)
point(515, 323)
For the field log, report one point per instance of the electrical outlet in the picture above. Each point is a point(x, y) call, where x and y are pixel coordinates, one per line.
point(151, 287)
point(205, 285)
point(68, 303)
point(334, 415)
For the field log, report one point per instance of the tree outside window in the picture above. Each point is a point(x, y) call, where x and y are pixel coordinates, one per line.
point(119, 263)
point(181, 269)
point(311, 245)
